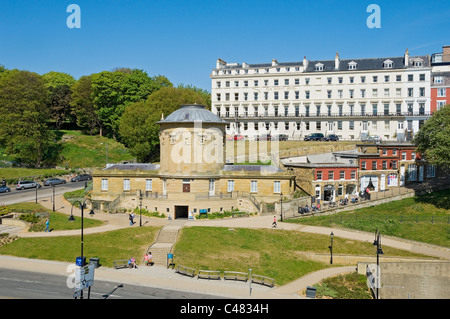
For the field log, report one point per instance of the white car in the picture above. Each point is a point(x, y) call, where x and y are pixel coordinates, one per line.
point(372, 139)
point(27, 184)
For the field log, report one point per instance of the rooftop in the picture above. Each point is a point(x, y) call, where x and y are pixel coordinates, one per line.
point(192, 113)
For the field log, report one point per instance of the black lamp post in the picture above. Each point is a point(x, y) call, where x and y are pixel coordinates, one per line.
point(53, 188)
point(82, 206)
point(377, 242)
point(140, 208)
point(331, 248)
point(281, 206)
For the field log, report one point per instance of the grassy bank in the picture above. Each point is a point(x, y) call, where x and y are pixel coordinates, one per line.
point(58, 221)
point(421, 218)
point(272, 253)
point(80, 150)
point(108, 246)
point(13, 174)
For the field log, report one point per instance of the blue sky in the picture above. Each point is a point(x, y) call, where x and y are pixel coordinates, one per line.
point(183, 39)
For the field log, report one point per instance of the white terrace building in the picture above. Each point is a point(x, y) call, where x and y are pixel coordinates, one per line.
point(389, 97)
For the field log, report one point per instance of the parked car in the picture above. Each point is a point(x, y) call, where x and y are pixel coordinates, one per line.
point(4, 189)
point(314, 137)
point(238, 137)
point(372, 139)
point(264, 137)
point(281, 137)
point(81, 177)
point(27, 184)
point(54, 181)
point(332, 137)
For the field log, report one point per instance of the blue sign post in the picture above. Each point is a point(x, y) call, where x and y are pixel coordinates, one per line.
point(170, 256)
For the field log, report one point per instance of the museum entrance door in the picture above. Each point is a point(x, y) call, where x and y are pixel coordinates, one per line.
point(181, 211)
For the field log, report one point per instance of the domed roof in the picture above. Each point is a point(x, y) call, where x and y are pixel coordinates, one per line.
point(192, 113)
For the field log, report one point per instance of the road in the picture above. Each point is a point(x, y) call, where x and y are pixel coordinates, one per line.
point(33, 285)
point(28, 195)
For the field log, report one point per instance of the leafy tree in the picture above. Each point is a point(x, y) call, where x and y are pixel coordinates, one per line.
point(82, 105)
point(113, 91)
point(138, 128)
point(433, 138)
point(24, 109)
point(59, 87)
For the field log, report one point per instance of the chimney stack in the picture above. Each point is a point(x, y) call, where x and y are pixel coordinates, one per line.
point(407, 58)
point(446, 53)
point(336, 61)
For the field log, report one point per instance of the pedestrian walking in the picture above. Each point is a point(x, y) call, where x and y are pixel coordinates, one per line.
point(47, 225)
point(130, 217)
point(274, 224)
point(150, 259)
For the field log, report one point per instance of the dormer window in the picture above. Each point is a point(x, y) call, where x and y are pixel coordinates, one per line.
point(418, 62)
point(319, 67)
point(387, 64)
point(352, 65)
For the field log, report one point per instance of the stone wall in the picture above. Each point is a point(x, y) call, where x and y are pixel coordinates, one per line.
point(415, 280)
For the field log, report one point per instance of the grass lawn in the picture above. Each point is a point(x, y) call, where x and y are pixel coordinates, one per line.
point(80, 150)
point(108, 246)
point(409, 218)
point(58, 221)
point(272, 253)
point(12, 173)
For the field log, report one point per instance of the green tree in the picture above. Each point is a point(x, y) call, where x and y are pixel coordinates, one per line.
point(433, 138)
point(113, 91)
point(23, 124)
point(82, 105)
point(59, 85)
point(138, 128)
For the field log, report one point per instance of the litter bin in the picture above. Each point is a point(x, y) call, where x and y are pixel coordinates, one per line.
point(94, 261)
point(80, 262)
point(311, 292)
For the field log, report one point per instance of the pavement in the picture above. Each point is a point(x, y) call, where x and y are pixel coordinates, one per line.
point(161, 277)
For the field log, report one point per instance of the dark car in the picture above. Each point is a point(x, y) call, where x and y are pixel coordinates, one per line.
point(27, 184)
point(314, 137)
point(332, 137)
point(54, 181)
point(81, 177)
point(4, 189)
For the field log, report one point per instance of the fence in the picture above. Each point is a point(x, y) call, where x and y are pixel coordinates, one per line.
point(400, 218)
point(396, 193)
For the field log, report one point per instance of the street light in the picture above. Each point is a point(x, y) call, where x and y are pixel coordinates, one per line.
point(82, 206)
point(377, 242)
point(140, 208)
point(53, 187)
point(281, 206)
point(331, 248)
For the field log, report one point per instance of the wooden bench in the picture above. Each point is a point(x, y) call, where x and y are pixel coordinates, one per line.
point(209, 274)
point(234, 275)
point(122, 263)
point(240, 214)
point(266, 281)
point(185, 271)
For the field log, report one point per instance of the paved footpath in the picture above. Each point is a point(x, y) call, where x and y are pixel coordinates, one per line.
point(161, 277)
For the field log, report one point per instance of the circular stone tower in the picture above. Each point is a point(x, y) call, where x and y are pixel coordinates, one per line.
point(192, 142)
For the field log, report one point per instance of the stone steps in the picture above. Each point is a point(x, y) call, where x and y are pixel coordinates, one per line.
point(164, 242)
